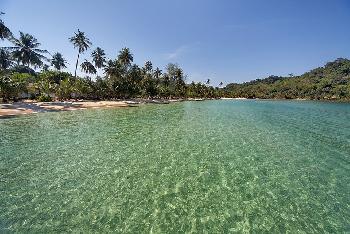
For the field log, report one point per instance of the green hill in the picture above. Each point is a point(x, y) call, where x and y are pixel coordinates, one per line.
point(331, 82)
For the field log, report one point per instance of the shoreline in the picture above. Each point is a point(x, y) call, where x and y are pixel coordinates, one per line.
point(27, 107)
point(31, 107)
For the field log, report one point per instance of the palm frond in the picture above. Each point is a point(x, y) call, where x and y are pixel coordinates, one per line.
point(10, 48)
point(41, 51)
point(26, 51)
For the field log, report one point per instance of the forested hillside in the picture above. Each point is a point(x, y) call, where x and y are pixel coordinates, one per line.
point(331, 82)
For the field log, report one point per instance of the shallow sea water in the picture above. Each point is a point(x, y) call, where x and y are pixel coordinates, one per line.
point(212, 166)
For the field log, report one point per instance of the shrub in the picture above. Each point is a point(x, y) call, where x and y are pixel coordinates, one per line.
point(44, 98)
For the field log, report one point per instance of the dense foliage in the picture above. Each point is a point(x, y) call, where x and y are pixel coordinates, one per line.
point(331, 82)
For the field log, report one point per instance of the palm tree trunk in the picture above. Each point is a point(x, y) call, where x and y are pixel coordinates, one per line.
point(76, 66)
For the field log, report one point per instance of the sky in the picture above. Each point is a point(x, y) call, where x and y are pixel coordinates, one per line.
point(220, 40)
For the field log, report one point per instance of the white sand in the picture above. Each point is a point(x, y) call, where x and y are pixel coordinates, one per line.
point(28, 107)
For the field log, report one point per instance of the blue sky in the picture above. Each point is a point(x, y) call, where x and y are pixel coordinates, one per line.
point(224, 40)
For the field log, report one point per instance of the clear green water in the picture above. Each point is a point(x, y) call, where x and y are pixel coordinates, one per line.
point(214, 166)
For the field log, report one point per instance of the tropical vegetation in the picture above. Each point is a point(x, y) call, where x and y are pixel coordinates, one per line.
point(27, 71)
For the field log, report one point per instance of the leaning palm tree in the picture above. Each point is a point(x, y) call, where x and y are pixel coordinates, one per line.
point(99, 57)
point(26, 51)
point(87, 67)
point(125, 57)
point(5, 59)
point(4, 31)
point(58, 61)
point(81, 42)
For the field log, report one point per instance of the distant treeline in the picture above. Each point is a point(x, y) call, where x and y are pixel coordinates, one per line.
point(331, 82)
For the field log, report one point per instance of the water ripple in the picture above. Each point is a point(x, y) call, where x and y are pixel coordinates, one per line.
point(215, 166)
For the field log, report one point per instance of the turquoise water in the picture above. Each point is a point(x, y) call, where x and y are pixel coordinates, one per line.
point(213, 166)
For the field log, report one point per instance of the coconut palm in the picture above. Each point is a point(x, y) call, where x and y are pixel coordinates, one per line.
point(88, 67)
point(125, 57)
point(26, 51)
point(148, 66)
point(82, 43)
point(113, 68)
point(98, 57)
point(45, 68)
point(58, 61)
point(5, 59)
point(157, 73)
point(4, 31)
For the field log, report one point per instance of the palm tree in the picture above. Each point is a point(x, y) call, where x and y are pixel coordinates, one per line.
point(45, 68)
point(5, 59)
point(148, 66)
point(125, 57)
point(109, 69)
point(58, 61)
point(26, 51)
point(4, 31)
point(99, 57)
point(87, 67)
point(80, 41)
point(157, 73)
point(113, 68)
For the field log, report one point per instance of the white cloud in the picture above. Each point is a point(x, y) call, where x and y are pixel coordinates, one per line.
point(177, 53)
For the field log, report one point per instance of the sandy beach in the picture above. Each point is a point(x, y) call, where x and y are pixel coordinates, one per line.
point(233, 98)
point(28, 107)
point(31, 107)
